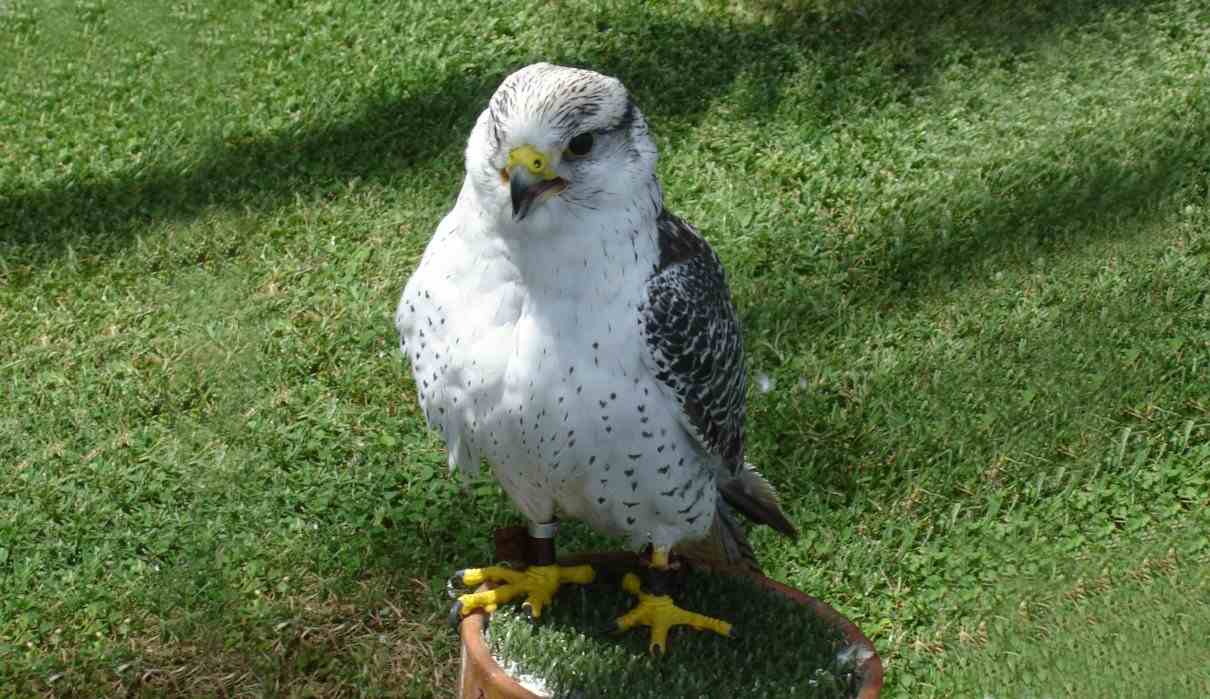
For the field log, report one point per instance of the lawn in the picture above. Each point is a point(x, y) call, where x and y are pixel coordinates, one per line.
point(969, 243)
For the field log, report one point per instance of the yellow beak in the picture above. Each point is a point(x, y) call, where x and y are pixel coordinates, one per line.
point(533, 160)
point(530, 176)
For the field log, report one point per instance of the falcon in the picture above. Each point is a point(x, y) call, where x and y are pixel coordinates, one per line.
point(567, 329)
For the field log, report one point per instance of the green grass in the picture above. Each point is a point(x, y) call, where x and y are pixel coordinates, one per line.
point(970, 245)
point(785, 650)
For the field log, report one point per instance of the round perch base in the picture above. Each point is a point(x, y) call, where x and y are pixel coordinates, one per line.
point(788, 644)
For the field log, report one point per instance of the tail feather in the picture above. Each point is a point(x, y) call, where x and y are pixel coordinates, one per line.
point(751, 494)
point(726, 542)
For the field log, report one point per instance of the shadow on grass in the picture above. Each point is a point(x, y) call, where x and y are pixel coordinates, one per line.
point(1076, 189)
point(1101, 188)
point(677, 69)
point(1019, 217)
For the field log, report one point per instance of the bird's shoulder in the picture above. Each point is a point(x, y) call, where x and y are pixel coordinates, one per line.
point(679, 242)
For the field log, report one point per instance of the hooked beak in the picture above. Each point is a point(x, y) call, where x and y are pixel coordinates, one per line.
point(531, 179)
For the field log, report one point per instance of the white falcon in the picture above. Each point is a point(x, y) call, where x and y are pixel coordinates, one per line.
point(567, 329)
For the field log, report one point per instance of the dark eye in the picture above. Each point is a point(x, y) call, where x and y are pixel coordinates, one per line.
point(580, 145)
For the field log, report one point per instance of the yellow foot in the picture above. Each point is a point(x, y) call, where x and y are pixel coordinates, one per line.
point(661, 614)
point(537, 583)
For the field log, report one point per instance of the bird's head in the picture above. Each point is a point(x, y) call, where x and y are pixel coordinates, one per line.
point(559, 143)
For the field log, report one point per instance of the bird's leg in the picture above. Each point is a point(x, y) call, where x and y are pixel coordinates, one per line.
point(538, 581)
point(656, 608)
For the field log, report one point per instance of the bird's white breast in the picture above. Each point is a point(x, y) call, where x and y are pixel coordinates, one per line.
point(526, 353)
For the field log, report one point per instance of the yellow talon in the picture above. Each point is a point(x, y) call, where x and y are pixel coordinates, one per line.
point(661, 614)
point(537, 583)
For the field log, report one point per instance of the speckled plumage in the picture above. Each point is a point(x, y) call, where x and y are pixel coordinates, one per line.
point(693, 339)
point(589, 353)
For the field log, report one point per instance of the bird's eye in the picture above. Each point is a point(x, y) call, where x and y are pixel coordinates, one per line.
point(580, 145)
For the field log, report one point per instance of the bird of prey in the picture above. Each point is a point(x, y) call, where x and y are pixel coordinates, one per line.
point(567, 329)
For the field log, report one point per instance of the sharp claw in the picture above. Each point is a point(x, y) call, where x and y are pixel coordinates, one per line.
point(539, 584)
point(455, 584)
point(661, 614)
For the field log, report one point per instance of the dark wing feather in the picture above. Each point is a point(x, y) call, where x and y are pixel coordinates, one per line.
point(693, 340)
